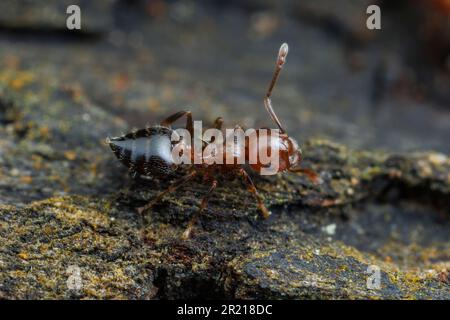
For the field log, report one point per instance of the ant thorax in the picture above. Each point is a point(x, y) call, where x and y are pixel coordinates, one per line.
point(263, 149)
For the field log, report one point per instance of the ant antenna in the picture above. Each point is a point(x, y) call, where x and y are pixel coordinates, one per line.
point(281, 59)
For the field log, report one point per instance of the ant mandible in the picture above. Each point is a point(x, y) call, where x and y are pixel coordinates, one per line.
point(148, 152)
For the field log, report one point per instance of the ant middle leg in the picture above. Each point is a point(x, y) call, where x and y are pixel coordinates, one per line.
point(187, 232)
point(174, 186)
point(254, 192)
point(218, 123)
point(171, 119)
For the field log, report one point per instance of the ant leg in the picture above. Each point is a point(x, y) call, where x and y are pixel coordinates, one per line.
point(236, 127)
point(171, 119)
point(133, 174)
point(187, 232)
point(252, 189)
point(140, 178)
point(174, 186)
point(218, 123)
point(308, 173)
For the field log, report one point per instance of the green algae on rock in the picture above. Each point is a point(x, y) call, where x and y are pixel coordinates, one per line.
point(232, 254)
point(68, 224)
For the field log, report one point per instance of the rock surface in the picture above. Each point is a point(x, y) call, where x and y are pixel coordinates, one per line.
point(68, 224)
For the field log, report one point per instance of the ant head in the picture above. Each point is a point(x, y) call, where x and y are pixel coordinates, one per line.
point(290, 152)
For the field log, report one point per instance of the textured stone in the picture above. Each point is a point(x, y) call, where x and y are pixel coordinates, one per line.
point(67, 205)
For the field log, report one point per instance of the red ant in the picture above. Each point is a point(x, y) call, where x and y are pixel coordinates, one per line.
point(148, 152)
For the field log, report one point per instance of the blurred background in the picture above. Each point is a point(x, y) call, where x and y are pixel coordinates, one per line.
point(145, 59)
point(133, 63)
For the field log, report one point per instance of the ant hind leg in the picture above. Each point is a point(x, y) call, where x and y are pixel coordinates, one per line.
point(187, 232)
point(144, 180)
point(174, 186)
point(171, 119)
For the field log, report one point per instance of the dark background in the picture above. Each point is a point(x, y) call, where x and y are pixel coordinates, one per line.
point(143, 60)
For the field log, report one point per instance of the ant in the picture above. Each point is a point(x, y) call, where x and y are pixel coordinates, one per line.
point(148, 152)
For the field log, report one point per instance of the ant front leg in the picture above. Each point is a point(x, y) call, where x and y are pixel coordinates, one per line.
point(254, 192)
point(171, 119)
point(311, 175)
point(187, 232)
point(174, 186)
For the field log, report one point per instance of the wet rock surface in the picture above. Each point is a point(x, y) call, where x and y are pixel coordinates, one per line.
point(68, 221)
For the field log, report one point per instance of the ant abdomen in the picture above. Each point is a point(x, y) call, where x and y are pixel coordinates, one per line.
point(147, 151)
